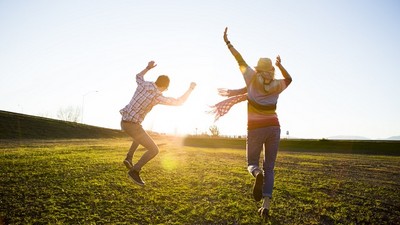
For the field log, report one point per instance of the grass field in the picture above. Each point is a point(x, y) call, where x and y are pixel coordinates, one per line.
point(85, 182)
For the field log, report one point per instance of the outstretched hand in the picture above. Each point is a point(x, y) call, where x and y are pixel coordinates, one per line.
point(226, 35)
point(151, 65)
point(223, 92)
point(192, 85)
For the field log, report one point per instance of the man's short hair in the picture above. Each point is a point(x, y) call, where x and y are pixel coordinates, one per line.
point(162, 81)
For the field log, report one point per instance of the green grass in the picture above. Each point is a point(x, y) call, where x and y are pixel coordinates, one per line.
point(85, 182)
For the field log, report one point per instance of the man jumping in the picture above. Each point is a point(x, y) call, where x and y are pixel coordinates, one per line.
point(147, 95)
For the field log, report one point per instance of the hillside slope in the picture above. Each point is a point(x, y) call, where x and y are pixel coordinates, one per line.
point(21, 126)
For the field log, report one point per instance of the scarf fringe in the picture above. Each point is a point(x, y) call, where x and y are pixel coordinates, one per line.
point(223, 107)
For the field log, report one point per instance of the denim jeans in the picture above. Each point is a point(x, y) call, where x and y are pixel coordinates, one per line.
point(140, 137)
point(267, 139)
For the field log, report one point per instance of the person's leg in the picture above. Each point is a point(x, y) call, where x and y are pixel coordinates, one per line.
point(151, 150)
point(140, 136)
point(132, 150)
point(270, 154)
point(271, 146)
point(129, 156)
point(255, 142)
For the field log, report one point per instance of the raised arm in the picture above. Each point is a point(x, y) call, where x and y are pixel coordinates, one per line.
point(284, 72)
point(150, 65)
point(139, 76)
point(242, 64)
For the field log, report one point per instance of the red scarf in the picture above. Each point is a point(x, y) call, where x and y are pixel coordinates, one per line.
point(223, 107)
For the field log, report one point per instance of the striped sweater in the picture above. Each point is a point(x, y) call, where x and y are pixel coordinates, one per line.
point(262, 98)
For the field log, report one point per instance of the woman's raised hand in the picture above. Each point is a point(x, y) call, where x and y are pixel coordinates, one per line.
point(226, 35)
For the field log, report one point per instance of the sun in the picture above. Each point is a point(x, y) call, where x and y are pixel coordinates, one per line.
point(191, 118)
point(194, 117)
point(188, 119)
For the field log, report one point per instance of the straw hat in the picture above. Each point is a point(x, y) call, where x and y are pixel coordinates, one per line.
point(264, 65)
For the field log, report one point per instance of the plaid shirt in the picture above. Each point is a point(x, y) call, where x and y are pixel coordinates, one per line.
point(146, 96)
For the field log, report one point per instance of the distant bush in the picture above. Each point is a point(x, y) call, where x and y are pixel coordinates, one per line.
point(306, 145)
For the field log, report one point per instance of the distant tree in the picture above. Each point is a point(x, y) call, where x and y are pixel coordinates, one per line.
point(214, 130)
point(69, 113)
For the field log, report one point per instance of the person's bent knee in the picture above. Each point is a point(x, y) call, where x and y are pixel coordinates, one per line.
point(154, 151)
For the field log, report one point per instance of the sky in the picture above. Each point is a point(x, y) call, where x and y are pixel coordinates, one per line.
point(343, 56)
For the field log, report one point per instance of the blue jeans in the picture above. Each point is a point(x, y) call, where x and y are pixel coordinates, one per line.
point(141, 137)
point(266, 138)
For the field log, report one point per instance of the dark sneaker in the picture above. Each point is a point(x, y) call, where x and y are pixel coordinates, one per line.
point(258, 184)
point(134, 176)
point(128, 164)
point(264, 213)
